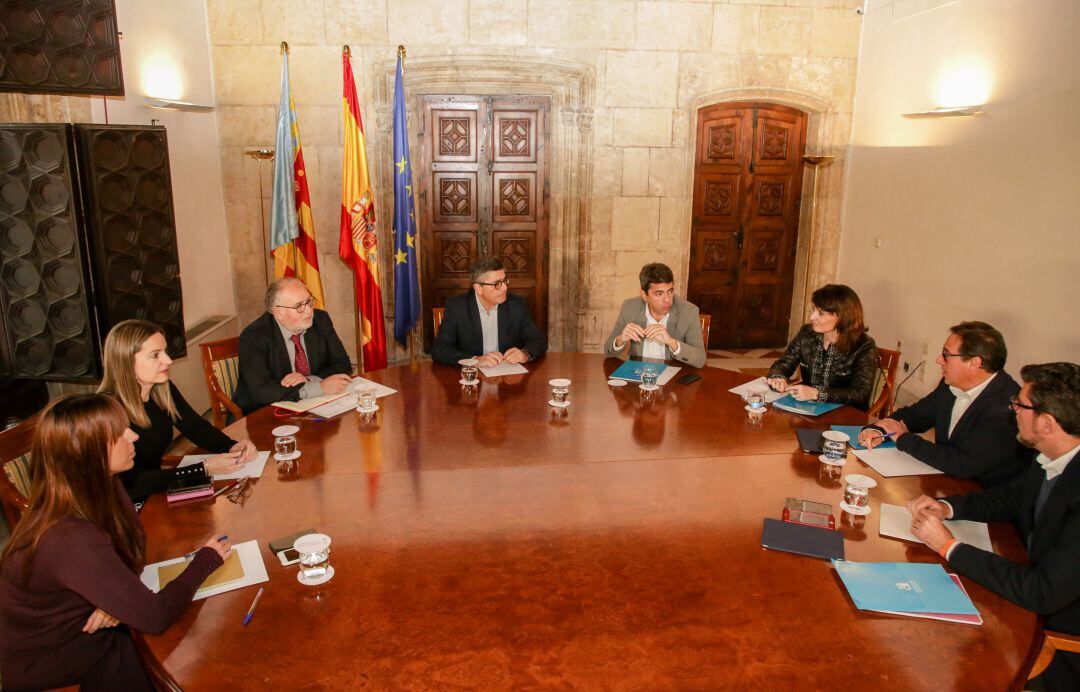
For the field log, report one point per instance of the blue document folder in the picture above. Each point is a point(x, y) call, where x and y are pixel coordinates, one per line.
point(903, 587)
point(631, 370)
point(853, 432)
point(806, 408)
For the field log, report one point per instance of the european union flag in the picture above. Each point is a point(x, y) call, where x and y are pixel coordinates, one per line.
point(406, 281)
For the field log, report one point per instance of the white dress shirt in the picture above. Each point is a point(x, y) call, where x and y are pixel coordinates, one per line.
point(964, 399)
point(1055, 467)
point(649, 347)
point(313, 387)
point(489, 325)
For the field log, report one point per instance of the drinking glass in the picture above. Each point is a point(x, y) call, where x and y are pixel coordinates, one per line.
point(835, 446)
point(314, 550)
point(649, 377)
point(856, 495)
point(756, 401)
point(560, 391)
point(285, 446)
point(468, 370)
point(366, 400)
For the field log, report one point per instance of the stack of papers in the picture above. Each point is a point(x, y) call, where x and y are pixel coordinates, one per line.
point(252, 469)
point(758, 386)
point(892, 462)
point(504, 369)
point(252, 571)
point(911, 589)
point(896, 522)
point(348, 400)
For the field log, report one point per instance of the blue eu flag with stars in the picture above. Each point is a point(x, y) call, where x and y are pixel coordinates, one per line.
point(406, 281)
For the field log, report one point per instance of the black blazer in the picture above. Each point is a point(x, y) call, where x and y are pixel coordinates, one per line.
point(851, 378)
point(983, 445)
point(1050, 586)
point(461, 336)
point(264, 360)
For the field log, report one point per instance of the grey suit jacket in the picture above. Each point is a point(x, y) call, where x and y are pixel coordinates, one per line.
point(684, 325)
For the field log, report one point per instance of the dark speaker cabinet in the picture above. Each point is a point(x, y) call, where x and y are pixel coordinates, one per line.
point(87, 239)
point(60, 47)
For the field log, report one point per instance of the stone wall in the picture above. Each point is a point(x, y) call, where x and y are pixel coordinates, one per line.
point(626, 80)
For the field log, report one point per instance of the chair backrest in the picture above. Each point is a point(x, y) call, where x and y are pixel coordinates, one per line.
point(884, 389)
point(15, 481)
point(436, 320)
point(706, 322)
point(221, 368)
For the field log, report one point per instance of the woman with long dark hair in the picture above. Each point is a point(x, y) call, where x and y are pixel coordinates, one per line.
point(837, 357)
point(137, 373)
point(69, 575)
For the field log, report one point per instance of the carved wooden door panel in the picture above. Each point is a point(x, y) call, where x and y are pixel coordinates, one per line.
point(747, 183)
point(483, 192)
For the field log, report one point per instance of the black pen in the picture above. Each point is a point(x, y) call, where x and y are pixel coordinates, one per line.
point(192, 553)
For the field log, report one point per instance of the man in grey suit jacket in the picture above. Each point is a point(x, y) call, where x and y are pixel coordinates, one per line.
point(658, 325)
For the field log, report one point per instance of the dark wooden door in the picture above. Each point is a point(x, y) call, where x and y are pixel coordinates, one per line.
point(747, 183)
point(484, 192)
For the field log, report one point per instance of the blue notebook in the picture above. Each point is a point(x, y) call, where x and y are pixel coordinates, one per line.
point(903, 587)
point(853, 432)
point(631, 370)
point(806, 408)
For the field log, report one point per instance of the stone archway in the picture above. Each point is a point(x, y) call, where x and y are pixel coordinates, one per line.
point(570, 87)
point(821, 138)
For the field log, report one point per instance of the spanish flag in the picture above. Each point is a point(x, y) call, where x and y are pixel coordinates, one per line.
point(292, 231)
point(357, 242)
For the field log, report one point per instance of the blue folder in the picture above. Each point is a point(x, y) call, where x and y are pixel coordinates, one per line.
point(631, 370)
point(905, 587)
point(853, 432)
point(807, 408)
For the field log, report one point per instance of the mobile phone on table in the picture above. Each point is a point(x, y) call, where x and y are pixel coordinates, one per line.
point(795, 516)
point(289, 556)
point(688, 378)
point(794, 503)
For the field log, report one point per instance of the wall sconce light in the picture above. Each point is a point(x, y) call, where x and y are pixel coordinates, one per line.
point(963, 87)
point(171, 105)
point(946, 112)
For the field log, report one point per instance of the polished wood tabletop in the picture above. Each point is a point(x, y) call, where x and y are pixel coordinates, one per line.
point(480, 541)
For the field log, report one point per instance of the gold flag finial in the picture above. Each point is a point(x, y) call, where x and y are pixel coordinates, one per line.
point(401, 52)
point(284, 48)
point(345, 49)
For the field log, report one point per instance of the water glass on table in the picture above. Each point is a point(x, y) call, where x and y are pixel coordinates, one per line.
point(469, 367)
point(649, 376)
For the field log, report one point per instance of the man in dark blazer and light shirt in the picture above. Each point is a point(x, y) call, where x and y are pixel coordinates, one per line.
point(290, 353)
point(488, 323)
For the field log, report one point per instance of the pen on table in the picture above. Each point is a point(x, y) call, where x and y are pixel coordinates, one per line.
point(251, 610)
point(192, 553)
point(227, 487)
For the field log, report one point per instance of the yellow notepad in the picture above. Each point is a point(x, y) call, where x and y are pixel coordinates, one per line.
point(307, 404)
point(231, 571)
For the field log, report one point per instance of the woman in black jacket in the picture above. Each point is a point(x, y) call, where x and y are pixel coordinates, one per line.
point(137, 373)
point(837, 358)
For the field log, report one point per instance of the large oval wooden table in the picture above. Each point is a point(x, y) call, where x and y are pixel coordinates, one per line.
point(481, 542)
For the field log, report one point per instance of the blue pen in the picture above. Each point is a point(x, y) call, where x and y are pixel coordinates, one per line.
point(251, 610)
point(192, 553)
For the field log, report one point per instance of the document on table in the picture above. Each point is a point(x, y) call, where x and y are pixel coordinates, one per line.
point(252, 469)
point(504, 369)
point(349, 401)
point(250, 560)
point(758, 386)
point(896, 522)
point(893, 462)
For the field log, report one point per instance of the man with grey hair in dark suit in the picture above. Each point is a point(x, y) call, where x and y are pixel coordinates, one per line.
point(658, 324)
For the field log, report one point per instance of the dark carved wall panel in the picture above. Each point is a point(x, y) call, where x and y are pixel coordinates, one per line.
point(129, 214)
point(60, 47)
point(48, 330)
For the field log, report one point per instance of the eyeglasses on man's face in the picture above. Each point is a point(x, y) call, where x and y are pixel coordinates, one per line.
point(947, 354)
point(299, 307)
point(496, 284)
point(1015, 404)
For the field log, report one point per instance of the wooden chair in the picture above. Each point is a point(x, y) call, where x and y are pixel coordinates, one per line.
point(15, 481)
point(162, 681)
point(884, 384)
point(221, 367)
point(706, 322)
point(436, 320)
point(1051, 643)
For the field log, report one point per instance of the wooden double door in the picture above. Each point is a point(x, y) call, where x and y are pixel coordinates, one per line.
point(747, 189)
point(483, 188)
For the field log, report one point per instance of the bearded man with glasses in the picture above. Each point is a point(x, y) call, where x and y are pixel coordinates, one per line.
point(291, 352)
point(488, 323)
point(974, 430)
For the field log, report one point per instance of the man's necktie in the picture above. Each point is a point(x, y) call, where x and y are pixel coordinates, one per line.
point(302, 365)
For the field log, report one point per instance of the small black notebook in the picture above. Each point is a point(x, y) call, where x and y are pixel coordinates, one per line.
point(802, 540)
point(810, 439)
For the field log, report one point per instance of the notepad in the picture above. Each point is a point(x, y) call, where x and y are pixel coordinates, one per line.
point(248, 555)
point(811, 541)
point(893, 462)
point(806, 408)
point(305, 405)
point(903, 587)
point(504, 369)
point(231, 571)
point(896, 522)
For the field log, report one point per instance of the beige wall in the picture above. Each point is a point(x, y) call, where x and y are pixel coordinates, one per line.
point(648, 67)
point(977, 218)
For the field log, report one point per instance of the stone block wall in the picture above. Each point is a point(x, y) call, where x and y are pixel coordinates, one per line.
point(646, 68)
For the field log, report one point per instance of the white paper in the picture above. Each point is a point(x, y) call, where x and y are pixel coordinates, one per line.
point(896, 522)
point(667, 374)
point(892, 462)
point(381, 390)
point(250, 558)
point(758, 386)
point(349, 402)
point(504, 369)
point(252, 469)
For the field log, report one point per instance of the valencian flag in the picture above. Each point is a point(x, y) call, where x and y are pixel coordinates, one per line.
point(406, 281)
point(357, 243)
point(292, 231)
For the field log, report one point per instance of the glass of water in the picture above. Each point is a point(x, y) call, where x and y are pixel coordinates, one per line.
point(560, 392)
point(835, 446)
point(649, 377)
point(366, 400)
point(469, 367)
point(285, 447)
point(756, 400)
point(314, 550)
